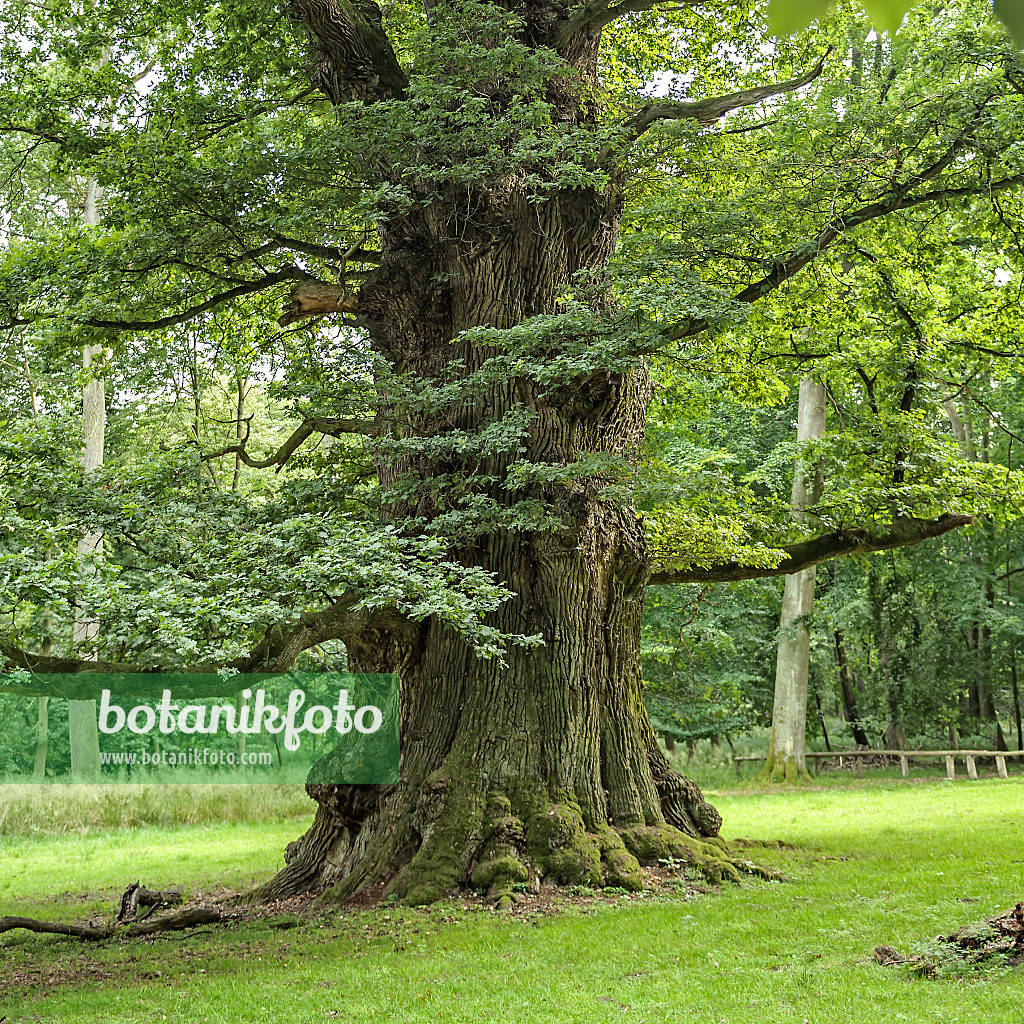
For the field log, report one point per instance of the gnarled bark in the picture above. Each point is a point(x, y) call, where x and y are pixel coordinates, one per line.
point(546, 769)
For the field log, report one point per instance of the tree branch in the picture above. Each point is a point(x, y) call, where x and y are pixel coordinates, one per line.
point(334, 426)
point(14, 657)
point(188, 918)
point(329, 252)
point(904, 532)
point(274, 654)
point(287, 273)
point(786, 268)
point(355, 59)
point(592, 17)
point(711, 110)
point(310, 297)
point(342, 621)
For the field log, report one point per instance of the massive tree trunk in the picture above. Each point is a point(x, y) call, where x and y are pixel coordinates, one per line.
point(545, 767)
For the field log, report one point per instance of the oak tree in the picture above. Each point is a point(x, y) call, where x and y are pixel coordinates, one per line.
point(489, 224)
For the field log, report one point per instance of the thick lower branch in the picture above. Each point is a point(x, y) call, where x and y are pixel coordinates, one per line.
point(903, 533)
point(276, 652)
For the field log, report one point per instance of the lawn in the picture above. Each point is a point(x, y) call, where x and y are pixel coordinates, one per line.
point(878, 862)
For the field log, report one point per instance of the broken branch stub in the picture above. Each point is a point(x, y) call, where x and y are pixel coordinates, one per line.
point(136, 895)
point(317, 298)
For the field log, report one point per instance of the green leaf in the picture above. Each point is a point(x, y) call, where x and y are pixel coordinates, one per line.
point(887, 15)
point(788, 16)
point(1011, 14)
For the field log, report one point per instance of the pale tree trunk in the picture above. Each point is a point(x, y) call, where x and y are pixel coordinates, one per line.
point(83, 733)
point(46, 648)
point(42, 738)
point(43, 716)
point(236, 480)
point(787, 760)
point(1014, 689)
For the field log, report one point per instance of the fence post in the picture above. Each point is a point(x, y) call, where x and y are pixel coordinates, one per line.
point(950, 767)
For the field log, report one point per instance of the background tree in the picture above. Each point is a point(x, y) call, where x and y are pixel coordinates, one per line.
point(786, 750)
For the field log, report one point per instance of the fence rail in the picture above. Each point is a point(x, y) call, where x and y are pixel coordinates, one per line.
point(905, 757)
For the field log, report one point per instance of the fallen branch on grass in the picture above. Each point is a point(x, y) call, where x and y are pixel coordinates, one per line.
point(997, 938)
point(188, 918)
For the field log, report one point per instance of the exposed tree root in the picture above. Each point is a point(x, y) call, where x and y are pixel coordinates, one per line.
point(457, 838)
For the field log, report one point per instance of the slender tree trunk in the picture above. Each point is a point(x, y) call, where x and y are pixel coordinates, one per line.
point(786, 753)
point(895, 736)
point(979, 702)
point(42, 738)
point(240, 392)
point(45, 649)
point(846, 685)
point(1016, 698)
point(240, 705)
point(205, 466)
point(986, 700)
point(82, 727)
point(821, 719)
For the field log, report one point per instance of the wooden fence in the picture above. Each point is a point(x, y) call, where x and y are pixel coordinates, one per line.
point(905, 757)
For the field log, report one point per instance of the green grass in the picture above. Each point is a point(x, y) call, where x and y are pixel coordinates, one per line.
point(712, 767)
point(54, 807)
point(882, 863)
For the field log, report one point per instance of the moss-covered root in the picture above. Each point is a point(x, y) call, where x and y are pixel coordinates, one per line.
point(499, 849)
point(650, 844)
point(501, 863)
point(444, 858)
point(566, 853)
